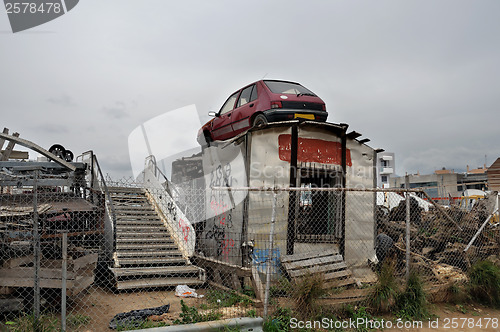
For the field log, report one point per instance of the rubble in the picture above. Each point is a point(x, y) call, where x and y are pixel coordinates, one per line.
point(440, 243)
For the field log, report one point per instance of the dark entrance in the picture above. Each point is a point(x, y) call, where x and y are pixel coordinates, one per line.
point(318, 212)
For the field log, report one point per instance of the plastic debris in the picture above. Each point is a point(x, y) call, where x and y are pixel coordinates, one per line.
point(186, 291)
point(135, 318)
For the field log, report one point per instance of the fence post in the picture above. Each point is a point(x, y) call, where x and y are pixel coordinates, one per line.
point(407, 186)
point(36, 254)
point(270, 256)
point(64, 277)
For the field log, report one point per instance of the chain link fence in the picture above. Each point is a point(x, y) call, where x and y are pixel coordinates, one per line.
point(123, 254)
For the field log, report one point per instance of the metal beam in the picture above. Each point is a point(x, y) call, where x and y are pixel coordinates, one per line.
point(17, 154)
point(353, 135)
point(9, 148)
point(39, 149)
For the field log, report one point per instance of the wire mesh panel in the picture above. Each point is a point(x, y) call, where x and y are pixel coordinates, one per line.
point(139, 255)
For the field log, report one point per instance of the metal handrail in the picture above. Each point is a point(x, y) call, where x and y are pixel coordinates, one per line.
point(169, 187)
point(108, 198)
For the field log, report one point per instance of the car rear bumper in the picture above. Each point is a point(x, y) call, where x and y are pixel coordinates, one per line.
point(281, 114)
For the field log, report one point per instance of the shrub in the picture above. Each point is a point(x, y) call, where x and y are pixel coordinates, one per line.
point(384, 294)
point(190, 315)
point(279, 321)
point(412, 303)
point(484, 283)
point(307, 290)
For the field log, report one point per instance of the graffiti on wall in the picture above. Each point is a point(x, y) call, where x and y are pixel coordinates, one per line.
point(220, 228)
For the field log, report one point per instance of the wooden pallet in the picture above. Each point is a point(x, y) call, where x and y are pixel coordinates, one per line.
point(19, 272)
point(327, 263)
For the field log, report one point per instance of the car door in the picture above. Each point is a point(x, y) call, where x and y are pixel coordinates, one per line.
point(221, 126)
point(245, 108)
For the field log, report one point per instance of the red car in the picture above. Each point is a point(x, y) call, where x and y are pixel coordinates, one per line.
point(259, 103)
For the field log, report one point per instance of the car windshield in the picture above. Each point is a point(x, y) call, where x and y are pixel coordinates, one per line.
point(288, 88)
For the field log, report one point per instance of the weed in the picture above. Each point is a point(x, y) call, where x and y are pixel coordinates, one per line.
point(461, 308)
point(279, 321)
point(412, 303)
point(384, 294)
point(248, 291)
point(358, 314)
point(229, 329)
point(226, 299)
point(147, 324)
point(28, 323)
point(190, 315)
point(484, 283)
point(252, 313)
point(307, 290)
point(73, 322)
point(456, 293)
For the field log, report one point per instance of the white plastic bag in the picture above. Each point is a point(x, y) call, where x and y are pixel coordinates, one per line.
point(185, 291)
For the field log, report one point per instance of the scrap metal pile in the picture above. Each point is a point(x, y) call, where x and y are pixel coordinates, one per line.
point(444, 241)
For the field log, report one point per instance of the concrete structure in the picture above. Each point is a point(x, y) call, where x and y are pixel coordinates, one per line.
point(282, 155)
point(444, 184)
point(493, 174)
point(386, 167)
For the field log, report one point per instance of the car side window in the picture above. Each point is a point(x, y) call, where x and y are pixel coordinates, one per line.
point(229, 105)
point(254, 96)
point(245, 96)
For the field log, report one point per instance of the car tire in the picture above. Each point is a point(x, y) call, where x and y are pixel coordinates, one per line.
point(68, 156)
point(260, 121)
point(58, 150)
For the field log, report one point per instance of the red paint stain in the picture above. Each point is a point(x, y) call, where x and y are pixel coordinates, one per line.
point(185, 229)
point(220, 211)
point(313, 150)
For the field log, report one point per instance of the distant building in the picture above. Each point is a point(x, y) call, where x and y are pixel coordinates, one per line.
point(493, 174)
point(386, 166)
point(444, 184)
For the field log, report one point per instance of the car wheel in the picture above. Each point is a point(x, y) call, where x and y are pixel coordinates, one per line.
point(58, 150)
point(68, 156)
point(260, 121)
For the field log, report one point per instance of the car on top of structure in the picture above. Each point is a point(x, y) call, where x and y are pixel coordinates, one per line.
point(260, 103)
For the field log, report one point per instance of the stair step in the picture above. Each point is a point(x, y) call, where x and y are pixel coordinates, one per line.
point(155, 282)
point(135, 212)
point(146, 254)
point(134, 246)
point(125, 190)
point(143, 237)
point(141, 226)
point(155, 260)
point(136, 223)
point(159, 270)
point(135, 209)
point(148, 240)
point(141, 231)
point(138, 218)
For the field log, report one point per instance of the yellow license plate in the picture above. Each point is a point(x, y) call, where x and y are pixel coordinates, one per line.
point(305, 116)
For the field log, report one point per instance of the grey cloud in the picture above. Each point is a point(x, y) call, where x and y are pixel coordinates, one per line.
point(117, 111)
point(51, 128)
point(62, 100)
point(417, 78)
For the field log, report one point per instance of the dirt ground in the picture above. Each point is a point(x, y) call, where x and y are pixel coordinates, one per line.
point(457, 318)
point(102, 305)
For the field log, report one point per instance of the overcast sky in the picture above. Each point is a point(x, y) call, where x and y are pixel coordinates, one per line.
point(419, 78)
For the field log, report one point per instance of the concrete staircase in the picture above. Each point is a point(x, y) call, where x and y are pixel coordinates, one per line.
point(145, 254)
